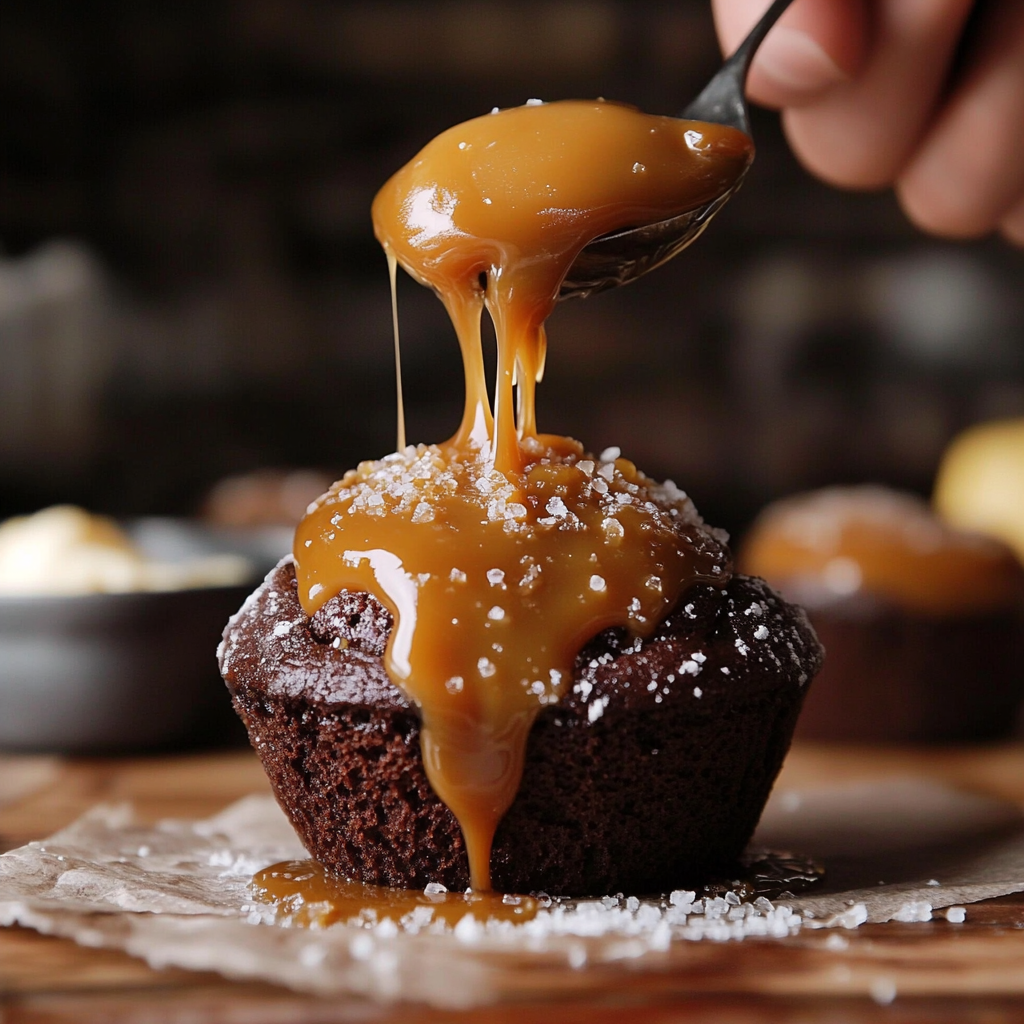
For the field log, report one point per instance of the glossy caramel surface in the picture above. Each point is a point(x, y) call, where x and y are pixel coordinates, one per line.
point(842, 542)
point(502, 551)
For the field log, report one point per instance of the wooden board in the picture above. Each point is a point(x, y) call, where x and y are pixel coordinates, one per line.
point(973, 972)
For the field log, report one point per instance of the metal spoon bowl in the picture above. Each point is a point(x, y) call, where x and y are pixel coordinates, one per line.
point(623, 256)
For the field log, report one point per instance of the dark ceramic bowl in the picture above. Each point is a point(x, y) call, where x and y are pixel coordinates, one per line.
point(121, 672)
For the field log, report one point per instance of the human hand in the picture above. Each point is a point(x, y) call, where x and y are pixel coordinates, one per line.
point(870, 98)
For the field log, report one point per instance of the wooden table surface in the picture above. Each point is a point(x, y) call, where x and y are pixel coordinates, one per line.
point(967, 973)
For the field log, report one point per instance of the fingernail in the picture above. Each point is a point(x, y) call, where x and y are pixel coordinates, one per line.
point(793, 60)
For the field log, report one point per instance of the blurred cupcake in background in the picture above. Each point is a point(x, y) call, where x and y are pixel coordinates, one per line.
point(922, 623)
point(264, 498)
point(256, 513)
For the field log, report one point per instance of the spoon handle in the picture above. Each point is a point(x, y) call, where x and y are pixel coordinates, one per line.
point(722, 100)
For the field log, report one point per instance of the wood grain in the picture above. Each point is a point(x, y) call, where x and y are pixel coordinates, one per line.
point(940, 972)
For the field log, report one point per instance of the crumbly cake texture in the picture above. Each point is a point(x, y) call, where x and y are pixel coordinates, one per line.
point(650, 773)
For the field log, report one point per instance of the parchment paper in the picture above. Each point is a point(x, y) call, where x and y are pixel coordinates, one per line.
point(177, 894)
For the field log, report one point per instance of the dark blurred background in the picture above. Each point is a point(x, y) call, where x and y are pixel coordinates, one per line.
point(190, 288)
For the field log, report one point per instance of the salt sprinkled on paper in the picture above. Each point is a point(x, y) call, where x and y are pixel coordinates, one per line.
point(190, 905)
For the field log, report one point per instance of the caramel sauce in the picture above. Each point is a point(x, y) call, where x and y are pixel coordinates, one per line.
point(304, 894)
point(515, 196)
point(842, 542)
point(502, 551)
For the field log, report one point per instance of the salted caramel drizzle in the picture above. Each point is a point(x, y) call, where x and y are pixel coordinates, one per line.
point(303, 894)
point(502, 551)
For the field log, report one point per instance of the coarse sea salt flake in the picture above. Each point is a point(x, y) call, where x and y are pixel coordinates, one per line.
point(423, 513)
point(612, 529)
point(556, 507)
point(883, 991)
point(913, 911)
point(469, 930)
point(852, 918)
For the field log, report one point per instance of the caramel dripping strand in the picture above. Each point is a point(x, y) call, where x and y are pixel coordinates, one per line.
point(393, 275)
point(465, 308)
point(529, 371)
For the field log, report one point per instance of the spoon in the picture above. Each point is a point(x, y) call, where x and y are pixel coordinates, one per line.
point(623, 256)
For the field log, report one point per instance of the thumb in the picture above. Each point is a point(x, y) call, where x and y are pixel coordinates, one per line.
point(814, 46)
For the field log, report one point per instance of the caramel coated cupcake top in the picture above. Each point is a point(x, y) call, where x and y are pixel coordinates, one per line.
point(841, 543)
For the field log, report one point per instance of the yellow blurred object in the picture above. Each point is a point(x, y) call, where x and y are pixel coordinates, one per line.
point(980, 484)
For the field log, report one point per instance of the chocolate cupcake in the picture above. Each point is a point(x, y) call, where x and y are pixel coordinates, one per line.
point(650, 773)
point(923, 624)
point(503, 661)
